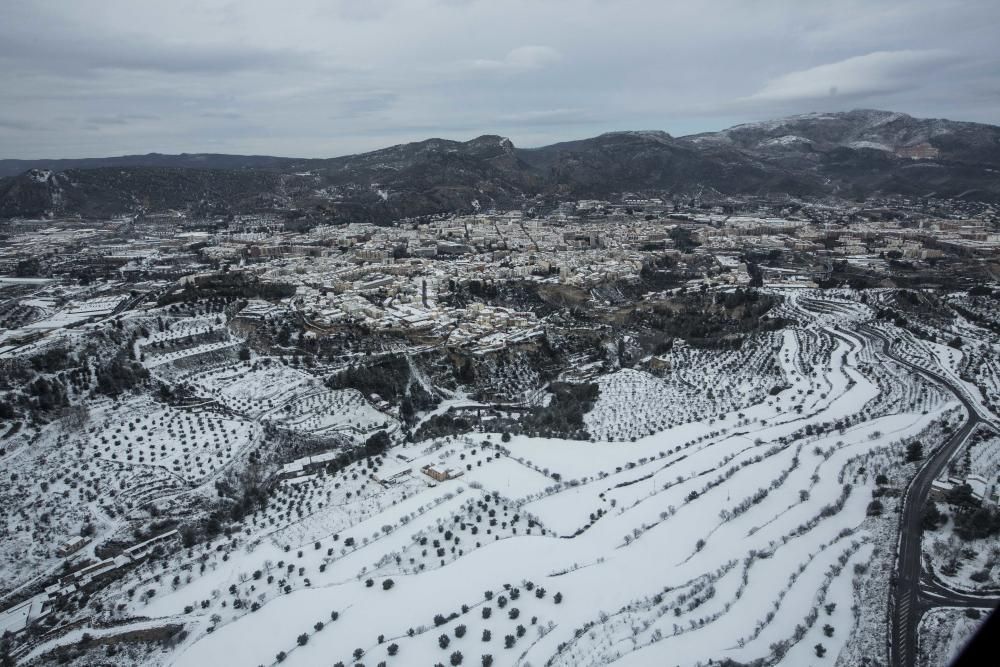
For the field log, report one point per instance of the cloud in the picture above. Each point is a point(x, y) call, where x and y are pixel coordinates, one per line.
point(546, 117)
point(17, 125)
point(49, 42)
point(369, 102)
point(877, 73)
point(224, 115)
point(521, 58)
point(172, 58)
point(338, 76)
point(120, 119)
point(363, 10)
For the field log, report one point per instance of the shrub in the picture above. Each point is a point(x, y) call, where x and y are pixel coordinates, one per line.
point(980, 577)
point(977, 524)
point(932, 517)
point(962, 496)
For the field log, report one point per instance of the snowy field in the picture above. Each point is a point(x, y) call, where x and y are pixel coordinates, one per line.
point(270, 391)
point(721, 509)
point(189, 443)
point(733, 526)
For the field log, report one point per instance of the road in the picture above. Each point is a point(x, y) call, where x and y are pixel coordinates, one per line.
point(914, 590)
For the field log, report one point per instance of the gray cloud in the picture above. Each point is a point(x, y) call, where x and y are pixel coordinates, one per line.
point(366, 103)
point(859, 77)
point(368, 10)
point(547, 117)
point(53, 42)
point(328, 77)
point(224, 115)
point(129, 53)
point(121, 119)
point(520, 58)
point(18, 125)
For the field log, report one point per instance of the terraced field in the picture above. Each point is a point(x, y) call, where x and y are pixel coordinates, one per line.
point(734, 518)
point(739, 505)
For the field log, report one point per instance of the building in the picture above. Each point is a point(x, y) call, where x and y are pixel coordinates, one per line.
point(440, 475)
point(71, 545)
point(940, 488)
point(307, 465)
point(141, 550)
point(17, 619)
point(392, 474)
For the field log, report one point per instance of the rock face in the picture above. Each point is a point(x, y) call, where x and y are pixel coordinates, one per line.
point(850, 154)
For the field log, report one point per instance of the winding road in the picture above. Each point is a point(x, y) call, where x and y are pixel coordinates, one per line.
point(914, 590)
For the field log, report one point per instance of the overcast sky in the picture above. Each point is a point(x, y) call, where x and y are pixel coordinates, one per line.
point(319, 78)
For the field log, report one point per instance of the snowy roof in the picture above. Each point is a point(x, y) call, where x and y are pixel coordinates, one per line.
point(15, 619)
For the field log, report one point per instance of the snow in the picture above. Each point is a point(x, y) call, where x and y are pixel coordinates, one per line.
point(943, 633)
point(874, 145)
point(719, 512)
point(752, 481)
point(785, 140)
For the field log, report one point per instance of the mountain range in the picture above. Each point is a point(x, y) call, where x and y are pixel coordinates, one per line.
point(847, 155)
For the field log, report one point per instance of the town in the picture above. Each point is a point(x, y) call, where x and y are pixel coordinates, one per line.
point(407, 279)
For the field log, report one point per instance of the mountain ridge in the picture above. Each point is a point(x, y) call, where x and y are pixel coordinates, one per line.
point(14, 166)
point(850, 154)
